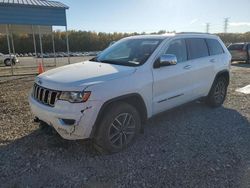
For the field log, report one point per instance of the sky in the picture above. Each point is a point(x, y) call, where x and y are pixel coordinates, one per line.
point(154, 15)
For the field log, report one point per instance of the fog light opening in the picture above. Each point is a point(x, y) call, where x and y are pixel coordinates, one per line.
point(68, 121)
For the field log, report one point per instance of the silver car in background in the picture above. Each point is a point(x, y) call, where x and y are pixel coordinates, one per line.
point(240, 52)
point(8, 59)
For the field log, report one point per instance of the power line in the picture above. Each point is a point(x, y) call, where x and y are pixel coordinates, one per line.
point(226, 20)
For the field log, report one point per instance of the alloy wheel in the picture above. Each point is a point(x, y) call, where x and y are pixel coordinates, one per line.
point(220, 91)
point(122, 130)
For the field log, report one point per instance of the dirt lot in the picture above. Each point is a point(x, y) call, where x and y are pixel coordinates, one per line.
point(191, 146)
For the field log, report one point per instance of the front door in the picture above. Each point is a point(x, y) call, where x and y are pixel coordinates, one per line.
point(172, 84)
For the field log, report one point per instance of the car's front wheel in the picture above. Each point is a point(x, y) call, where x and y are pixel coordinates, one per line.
point(119, 127)
point(218, 92)
point(7, 62)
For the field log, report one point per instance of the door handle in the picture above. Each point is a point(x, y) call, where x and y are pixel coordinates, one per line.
point(212, 60)
point(187, 67)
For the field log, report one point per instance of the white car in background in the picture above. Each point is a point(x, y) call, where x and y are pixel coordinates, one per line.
point(7, 59)
point(110, 97)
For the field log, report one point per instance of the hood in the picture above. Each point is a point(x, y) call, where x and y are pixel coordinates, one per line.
point(80, 75)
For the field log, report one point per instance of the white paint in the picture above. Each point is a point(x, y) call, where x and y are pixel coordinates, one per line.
point(245, 90)
point(160, 88)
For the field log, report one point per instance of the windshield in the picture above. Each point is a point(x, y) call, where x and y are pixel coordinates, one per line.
point(130, 52)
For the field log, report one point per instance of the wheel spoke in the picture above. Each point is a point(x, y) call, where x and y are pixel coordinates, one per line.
point(116, 139)
point(113, 125)
point(116, 119)
point(121, 140)
point(125, 138)
point(128, 122)
point(114, 135)
point(125, 118)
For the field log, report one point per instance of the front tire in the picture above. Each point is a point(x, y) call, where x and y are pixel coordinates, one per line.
point(118, 128)
point(7, 62)
point(218, 92)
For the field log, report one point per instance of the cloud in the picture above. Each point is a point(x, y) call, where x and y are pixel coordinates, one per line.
point(194, 21)
point(237, 24)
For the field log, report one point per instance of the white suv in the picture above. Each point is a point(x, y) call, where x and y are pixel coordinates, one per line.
point(110, 97)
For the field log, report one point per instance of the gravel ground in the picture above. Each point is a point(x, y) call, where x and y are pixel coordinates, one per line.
point(190, 146)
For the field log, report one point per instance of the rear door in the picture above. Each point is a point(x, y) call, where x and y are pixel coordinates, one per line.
point(202, 66)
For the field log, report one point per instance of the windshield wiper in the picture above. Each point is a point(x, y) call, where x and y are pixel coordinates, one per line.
point(94, 59)
point(127, 63)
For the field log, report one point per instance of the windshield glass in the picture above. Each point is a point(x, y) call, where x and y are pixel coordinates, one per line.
point(130, 52)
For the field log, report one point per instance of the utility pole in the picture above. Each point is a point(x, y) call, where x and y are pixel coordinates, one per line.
point(226, 25)
point(207, 27)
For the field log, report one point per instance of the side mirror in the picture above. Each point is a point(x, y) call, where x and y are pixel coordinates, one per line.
point(166, 60)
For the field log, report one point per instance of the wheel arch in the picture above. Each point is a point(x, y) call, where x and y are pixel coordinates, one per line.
point(224, 73)
point(133, 99)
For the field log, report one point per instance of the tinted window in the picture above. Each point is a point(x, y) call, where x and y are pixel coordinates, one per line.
point(214, 47)
point(178, 48)
point(236, 47)
point(197, 48)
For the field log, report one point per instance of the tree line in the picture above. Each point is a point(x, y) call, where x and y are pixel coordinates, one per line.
point(88, 40)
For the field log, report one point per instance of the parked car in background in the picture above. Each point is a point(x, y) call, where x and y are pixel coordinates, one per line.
point(110, 97)
point(8, 60)
point(240, 51)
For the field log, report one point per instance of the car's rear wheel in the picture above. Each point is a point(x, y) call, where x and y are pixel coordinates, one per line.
point(218, 92)
point(118, 128)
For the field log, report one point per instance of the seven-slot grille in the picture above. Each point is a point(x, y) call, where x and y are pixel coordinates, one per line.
point(44, 95)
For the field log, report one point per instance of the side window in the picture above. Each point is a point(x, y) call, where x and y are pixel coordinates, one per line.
point(214, 47)
point(197, 48)
point(178, 48)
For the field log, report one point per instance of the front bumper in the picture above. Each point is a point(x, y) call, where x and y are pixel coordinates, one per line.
point(84, 115)
point(16, 60)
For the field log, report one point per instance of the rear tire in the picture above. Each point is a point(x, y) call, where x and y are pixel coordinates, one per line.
point(118, 128)
point(218, 92)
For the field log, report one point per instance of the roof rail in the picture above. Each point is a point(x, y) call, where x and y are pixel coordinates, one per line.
point(194, 33)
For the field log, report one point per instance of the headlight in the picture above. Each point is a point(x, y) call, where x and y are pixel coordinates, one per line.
point(75, 96)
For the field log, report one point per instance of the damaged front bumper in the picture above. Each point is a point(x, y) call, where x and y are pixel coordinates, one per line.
point(71, 121)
